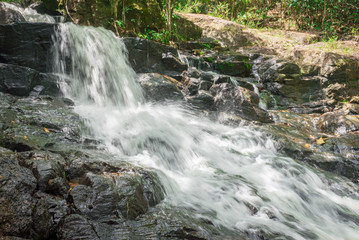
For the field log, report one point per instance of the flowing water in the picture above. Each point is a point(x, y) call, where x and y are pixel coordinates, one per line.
point(232, 177)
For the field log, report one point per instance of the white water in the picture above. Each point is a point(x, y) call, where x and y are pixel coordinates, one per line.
point(30, 14)
point(209, 170)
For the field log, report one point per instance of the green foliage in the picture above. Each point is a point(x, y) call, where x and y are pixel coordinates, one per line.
point(331, 17)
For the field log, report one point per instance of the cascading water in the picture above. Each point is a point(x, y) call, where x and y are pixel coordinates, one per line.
point(231, 177)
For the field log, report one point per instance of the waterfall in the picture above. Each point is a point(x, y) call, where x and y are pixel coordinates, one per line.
point(231, 177)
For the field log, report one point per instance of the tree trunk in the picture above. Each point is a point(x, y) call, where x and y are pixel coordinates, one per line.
point(169, 13)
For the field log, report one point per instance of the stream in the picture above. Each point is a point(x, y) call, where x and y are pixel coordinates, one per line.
point(232, 178)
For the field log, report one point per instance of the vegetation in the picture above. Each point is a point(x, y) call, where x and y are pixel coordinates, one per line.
point(331, 17)
point(155, 19)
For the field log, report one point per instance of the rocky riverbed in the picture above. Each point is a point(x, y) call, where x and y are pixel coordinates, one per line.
point(58, 182)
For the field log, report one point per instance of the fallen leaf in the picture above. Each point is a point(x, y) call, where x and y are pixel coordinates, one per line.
point(25, 137)
point(320, 141)
point(73, 184)
point(50, 181)
point(311, 137)
point(306, 145)
point(12, 121)
point(46, 130)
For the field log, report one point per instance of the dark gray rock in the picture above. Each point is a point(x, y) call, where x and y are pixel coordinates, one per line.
point(27, 44)
point(9, 16)
point(24, 81)
point(147, 56)
point(171, 62)
point(76, 226)
point(16, 202)
point(46, 84)
point(239, 101)
point(16, 80)
point(159, 87)
point(203, 100)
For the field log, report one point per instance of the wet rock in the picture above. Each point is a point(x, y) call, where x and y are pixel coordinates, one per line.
point(208, 76)
point(158, 87)
point(27, 44)
point(233, 68)
point(147, 56)
point(76, 226)
point(112, 193)
point(42, 219)
point(192, 86)
point(16, 80)
point(9, 16)
point(222, 79)
point(46, 84)
point(239, 101)
point(205, 85)
point(334, 123)
point(203, 100)
point(171, 62)
point(49, 172)
point(16, 202)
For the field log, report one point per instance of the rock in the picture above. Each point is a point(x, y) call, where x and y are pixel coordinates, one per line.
point(46, 84)
point(22, 81)
point(27, 45)
point(233, 68)
point(227, 33)
point(75, 226)
point(274, 70)
point(49, 172)
point(353, 108)
point(239, 101)
point(16, 202)
point(338, 68)
point(187, 29)
point(334, 123)
point(222, 79)
point(205, 85)
point(336, 91)
point(158, 87)
point(191, 86)
point(172, 63)
point(42, 219)
point(203, 100)
point(9, 16)
point(16, 80)
point(355, 100)
point(147, 56)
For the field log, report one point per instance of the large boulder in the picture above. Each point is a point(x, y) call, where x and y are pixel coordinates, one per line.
point(159, 87)
point(147, 56)
point(283, 79)
point(239, 101)
point(9, 16)
point(27, 44)
point(24, 81)
point(16, 80)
